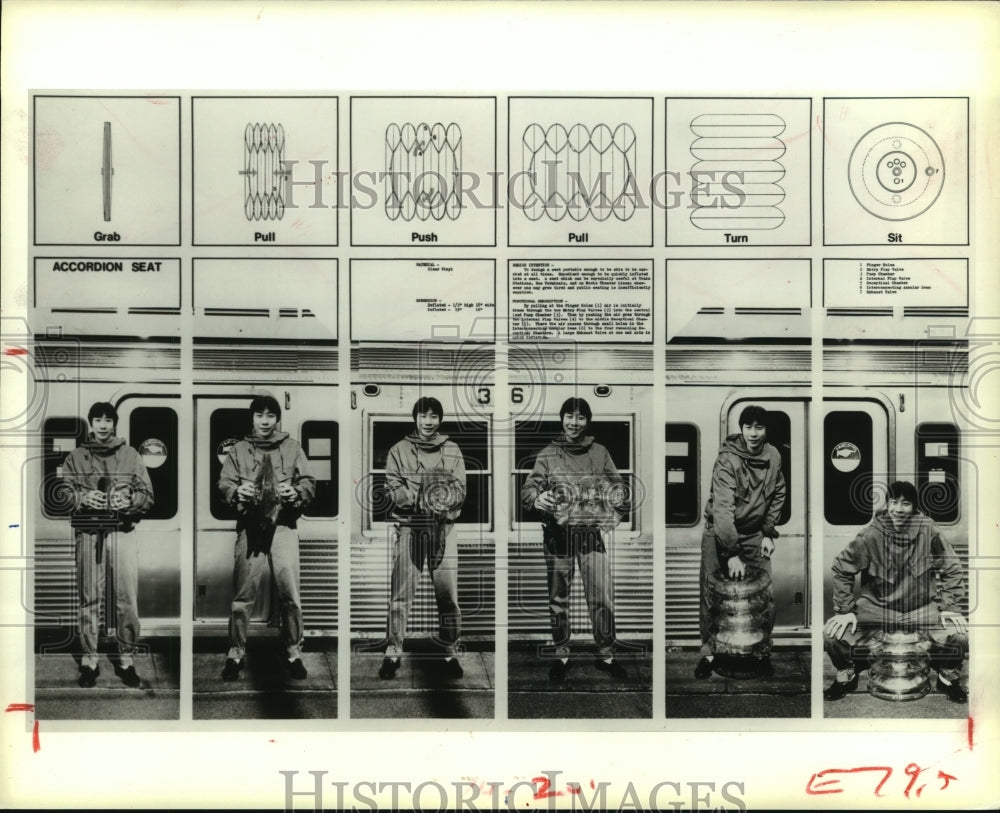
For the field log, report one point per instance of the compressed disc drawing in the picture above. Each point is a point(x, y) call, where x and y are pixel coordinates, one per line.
point(581, 172)
point(896, 171)
point(737, 170)
point(423, 167)
point(107, 171)
point(264, 172)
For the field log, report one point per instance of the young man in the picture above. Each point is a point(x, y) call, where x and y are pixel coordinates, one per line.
point(266, 477)
point(910, 579)
point(744, 504)
point(425, 479)
point(574, 484)
point(110, 490)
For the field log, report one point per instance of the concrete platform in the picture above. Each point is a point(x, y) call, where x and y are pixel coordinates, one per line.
point(861, 704)
point(264, 689)
point(785, 694)
point(59, 697)
point(420, 689)
point(586, 693)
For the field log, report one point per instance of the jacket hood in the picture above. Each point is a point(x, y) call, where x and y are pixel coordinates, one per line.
point(883, 522)
point(574, 446)
point(273, 442)
point(431, 445)
point(737, 445)
point(109, 447)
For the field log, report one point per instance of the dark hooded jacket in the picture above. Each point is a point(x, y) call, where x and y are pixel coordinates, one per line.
point(412, 465)
point(901, 570)
point(748, 492)
point(108, 466)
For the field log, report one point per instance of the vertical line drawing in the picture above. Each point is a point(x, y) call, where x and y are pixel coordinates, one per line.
point(106, 172)
point(896, 171)
point(422, 167)
point(264, 172)
point(567, 172)
point(738, 156)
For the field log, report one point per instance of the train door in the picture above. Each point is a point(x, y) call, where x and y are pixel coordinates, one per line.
point(786, 431)
point(856, 450)
point(219, 423)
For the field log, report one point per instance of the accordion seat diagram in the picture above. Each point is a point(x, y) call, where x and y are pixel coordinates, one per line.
point(422, 164)
point(264, 172)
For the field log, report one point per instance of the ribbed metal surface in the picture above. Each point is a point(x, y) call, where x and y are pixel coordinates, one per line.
point(736, 359)
point(542, 360)
point(528, 611)
point(682, 593)
point(265, 359)
point(915, 359)
point(370, 571)
point(425, 362)
point(67, 357)
point(55, 582)
point(318, 585)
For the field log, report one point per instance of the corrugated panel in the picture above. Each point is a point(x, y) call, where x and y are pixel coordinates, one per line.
point(682, 593)
point(55, 582)
point(265, 359)
point(915, 359)
point(370, 571)
point(540, 361)
point(68, 358)
point(318, 585)
point(428, 362)
point(528, 612)
point(732, 359)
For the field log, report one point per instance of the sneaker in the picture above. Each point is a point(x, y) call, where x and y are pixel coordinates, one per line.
point(704, 668)
point(232, 669)
point(128, 675)
point(453, 669)
point(839, 688)
point(388, 669)
point(558, 670)
point(954, 692)
point(88, 676)
point(614, 669)
point(297, 669)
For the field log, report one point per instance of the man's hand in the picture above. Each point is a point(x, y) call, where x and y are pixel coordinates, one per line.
point(737, 568)
point(95, 499)
point(957, 620)
point(546, 501)
point(121, 500)
point(766, 547)
point(838, 625)
point(287, 492)
point(246, 491)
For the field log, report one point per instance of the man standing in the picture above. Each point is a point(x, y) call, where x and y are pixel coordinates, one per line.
point(574, 484)
point(425, 478)
point(744, 505)
point(266, 477)
point(911, 579)
point(110, 490)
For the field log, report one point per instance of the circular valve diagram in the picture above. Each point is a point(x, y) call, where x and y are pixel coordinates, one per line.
point(896, 171)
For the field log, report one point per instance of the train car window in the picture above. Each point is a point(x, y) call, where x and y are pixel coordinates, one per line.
point(937, 470)
point(471, 437)
point(848, 448)
point(779, 435)
point(681, 479)
point(61, 436)
point(153, 433)
point(321, 441)
point(530, 437)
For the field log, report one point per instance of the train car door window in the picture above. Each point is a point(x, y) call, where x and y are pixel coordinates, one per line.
point(937, 471)
point(61, 436)
point(472, 437)
point(848, 467)
point(321, 441)
point(153, 432)
point(681, 452)
point(530, 437)
point(226, 426)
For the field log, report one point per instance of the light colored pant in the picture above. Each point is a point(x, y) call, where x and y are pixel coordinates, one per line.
point(120, 557)
point(283, 561)
point(413, 544)
point(598, 589)
point(947, 650)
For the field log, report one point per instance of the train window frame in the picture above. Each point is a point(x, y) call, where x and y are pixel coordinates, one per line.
point(919, 457)
point(861, 517)
point(333, 457)
point(376, 528)
point(696, 474)
point(734, 409)
point(633, 527)
point(173, 457)
point(52, 468)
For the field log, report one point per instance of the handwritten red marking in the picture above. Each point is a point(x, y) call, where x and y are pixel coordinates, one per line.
point(913, 771)
point(35, 742)
point(15, 351)
point(947, 777)
point(972, 724)
point(814, 788)
point(543, 792)
point(20, 707)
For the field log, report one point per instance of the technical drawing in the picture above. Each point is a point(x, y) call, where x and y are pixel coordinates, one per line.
point(735, 179)
point(896, 171)
point(423, 164)
point(579, 172)
point(107, 171)
point(264, 172)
